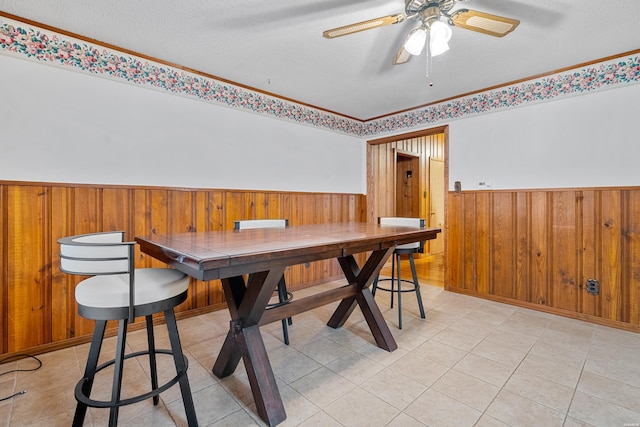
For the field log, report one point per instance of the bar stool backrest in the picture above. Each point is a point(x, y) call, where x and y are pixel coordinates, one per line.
point(405, 222)
point(260, 223)
point(99, 254)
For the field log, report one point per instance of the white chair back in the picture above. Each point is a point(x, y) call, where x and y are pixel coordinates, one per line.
point(248, 224)
point(404, 222)
point(97, 253)
point(100, 254)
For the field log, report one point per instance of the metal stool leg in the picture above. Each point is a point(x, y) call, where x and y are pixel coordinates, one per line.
point(282, 297)
point(393, 266)
point(90, 370)
point(116, 386)
point(153, 366)
point(181, 368)
point(399, 295)
point(417, 285)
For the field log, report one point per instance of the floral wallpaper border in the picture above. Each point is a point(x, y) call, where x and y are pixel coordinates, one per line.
point(45, 46)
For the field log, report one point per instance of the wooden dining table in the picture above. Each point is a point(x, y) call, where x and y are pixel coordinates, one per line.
point(262, 255)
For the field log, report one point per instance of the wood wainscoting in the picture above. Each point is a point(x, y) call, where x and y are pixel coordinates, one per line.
point(538, 248)
point(38, 310)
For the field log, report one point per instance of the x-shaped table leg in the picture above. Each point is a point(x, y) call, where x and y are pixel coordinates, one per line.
point(246, 305)
point(362, 279)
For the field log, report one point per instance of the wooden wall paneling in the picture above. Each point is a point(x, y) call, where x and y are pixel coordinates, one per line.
point(484, 231)
point(564, 247)
point(4, 279)
point(27, 324)
point(455, 241)
point(85, 216)
point(371, 181)
point(540, 250)
point(157, 209)
point(385, 196)
point(215, 212)
point(469, 241)
point(559, 238)
point(235, 208)
point(306, 215)
point(632, 234)
point(322, 212)
point(611, 254)
point(180, 214)
point(63, 306)
point(116, 212)
point(425, 204)
point(38, 304)
point(180, 211)
point(503, 252)
point(591, 243)
point(291, 208)
point(624, 306)
point(268, 206)
point(141, 223)
point(522, 262)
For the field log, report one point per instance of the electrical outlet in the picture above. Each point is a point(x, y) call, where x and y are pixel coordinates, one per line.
point(593, 287)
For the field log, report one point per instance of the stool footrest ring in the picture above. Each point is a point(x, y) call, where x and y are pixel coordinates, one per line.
point(82, 398)
point(278, 304)
point(412, 289)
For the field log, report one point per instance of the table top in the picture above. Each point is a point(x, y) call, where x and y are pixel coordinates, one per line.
point(218, 254)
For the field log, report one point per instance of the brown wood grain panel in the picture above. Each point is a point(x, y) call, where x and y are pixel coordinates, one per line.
point(564, 263)
point(561, 237)
point(141, 223)
point(26, 293)
point(482, 242)
point(502, 245)
point(116, 209)
point(540, 247)
point(63, 306)
point(522, 243)
point(470, 237)
point(215, 211)
point(4, 279)
point(591, 242)
point(36, 296)
point(234, 208)
point(611, 252)
point(180, 211)
point(454, 242)
point(632, 233)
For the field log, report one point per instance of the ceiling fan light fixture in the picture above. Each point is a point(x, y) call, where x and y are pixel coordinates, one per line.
point(439, 36)
point(416, 41)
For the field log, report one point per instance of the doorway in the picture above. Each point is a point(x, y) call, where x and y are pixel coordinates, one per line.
point(389, 159)
point(436, 203)
point(407, 184)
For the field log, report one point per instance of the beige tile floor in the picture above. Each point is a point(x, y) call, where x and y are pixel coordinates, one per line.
point(470, 363)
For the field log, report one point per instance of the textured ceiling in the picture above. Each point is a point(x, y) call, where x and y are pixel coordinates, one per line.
point(277, 46)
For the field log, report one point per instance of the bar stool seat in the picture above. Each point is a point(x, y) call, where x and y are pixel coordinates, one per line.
point(118, 291)
point(396, 278)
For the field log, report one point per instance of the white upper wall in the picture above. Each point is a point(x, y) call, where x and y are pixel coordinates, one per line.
point(582, 141)
point(63, 126)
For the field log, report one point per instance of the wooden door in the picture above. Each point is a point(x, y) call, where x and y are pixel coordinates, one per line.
point(436, 199)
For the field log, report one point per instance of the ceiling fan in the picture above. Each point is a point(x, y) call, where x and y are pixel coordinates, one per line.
point(436, 20)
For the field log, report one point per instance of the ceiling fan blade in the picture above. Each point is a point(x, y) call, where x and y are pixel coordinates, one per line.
point(402, 56)
point(364, 25)
point(486, 23)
